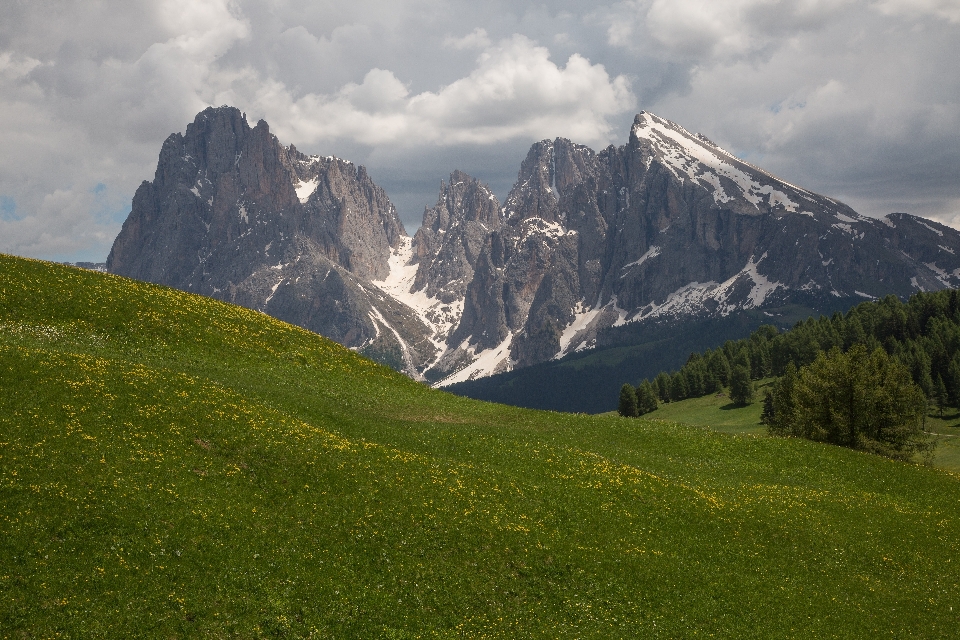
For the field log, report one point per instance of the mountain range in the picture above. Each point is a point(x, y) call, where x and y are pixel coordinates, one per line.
point(668, 228)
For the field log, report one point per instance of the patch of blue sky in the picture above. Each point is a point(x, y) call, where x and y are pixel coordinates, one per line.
point(110, 208)
point(8, 208)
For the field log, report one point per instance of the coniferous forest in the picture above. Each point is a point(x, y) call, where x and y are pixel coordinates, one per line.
point(862, 379)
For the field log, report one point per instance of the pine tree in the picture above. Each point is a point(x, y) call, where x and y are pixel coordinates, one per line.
point(662, 384)
point(741, 386)
point(719, 367)
point(678, 387)
point(693, 373)
point(953, 380)
point(778, 405)
point(768, 415)
point(940, 396)
point(627, 407)
point(853, 333)
point(646, 398)
point(861, 400)
point(742, 359)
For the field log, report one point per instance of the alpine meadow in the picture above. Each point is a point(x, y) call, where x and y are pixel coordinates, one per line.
point(175, 466)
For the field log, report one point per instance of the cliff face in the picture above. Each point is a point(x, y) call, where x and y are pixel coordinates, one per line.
point(233, 214)
point(452, 235)
point(666, 226)
point(669, 226)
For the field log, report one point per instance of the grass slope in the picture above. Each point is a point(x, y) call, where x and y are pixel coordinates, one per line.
point(171, 466)
point(718, 413)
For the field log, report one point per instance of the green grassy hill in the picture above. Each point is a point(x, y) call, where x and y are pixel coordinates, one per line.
point(719, 414)
point(171, 466)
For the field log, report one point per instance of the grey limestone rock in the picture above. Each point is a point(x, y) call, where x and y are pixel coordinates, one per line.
point(668, 225)
point(233, 214)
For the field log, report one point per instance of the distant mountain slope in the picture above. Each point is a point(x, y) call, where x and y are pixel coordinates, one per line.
point(668, 226)
point(172, 466)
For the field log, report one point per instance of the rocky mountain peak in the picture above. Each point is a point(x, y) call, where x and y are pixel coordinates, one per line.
point(233, 214)
point(449, 241)
point(667, 226)
point(732, 183)
point(550, 170)
point(534, 194)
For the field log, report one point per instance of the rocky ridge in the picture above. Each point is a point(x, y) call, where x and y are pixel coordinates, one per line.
point(669, 225)
point(235, 215)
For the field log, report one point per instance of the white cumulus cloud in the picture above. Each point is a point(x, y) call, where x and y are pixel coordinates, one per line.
point(514, 91)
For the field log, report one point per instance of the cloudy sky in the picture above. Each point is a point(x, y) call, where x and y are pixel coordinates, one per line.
point(856, 99)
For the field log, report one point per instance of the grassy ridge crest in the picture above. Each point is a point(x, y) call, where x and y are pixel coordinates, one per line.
point(174, 466)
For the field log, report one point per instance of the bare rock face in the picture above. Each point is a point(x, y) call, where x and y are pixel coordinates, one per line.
point(667, 226)
point(452, 235)
point(233, 214)
point(670, 225)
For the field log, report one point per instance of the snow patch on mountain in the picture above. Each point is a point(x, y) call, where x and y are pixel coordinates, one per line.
point(410, 367)
point(687, 155)
point(439, 316)
point(486, 363)
point(936, 231)
point(652, 252)
point(695, 297)
point(762, 286)
point(540, 227)
point(582, 320)
point(305, 189)
point(942, 275)
point(273, 291)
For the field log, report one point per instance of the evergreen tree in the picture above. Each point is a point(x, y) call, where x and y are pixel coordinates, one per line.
point(778, 405)
point(953, 380)
point(719, 367)
point(919, 363)
point(741, 386)
point(856, 399)
point(678, 387)
point(710, 383)
point(627, 407)
point(940, 396)
point(693, 373)
point(759, 354)
point(662, 384)
point(646, 398)
point(854, 333)
point(769, 411)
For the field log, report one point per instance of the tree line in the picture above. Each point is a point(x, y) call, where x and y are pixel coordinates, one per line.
point(893, 357)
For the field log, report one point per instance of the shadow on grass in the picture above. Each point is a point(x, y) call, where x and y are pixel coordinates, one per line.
point(946, 415)
point(733, 405)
